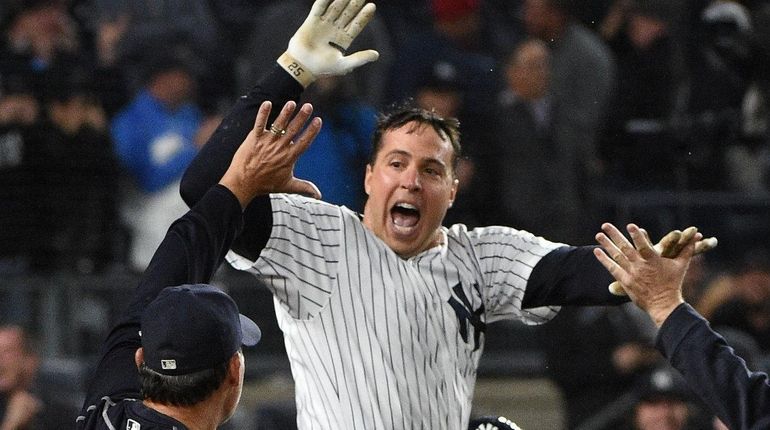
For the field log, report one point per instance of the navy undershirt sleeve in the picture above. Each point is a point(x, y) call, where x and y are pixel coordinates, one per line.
point(214, 158)
point(192, 250)
point(570, 275)
point(738, 396)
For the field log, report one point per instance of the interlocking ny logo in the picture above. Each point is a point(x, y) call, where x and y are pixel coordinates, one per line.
point(466, 314)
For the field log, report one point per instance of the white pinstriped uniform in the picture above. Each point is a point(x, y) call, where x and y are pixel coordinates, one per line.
point(379, 342)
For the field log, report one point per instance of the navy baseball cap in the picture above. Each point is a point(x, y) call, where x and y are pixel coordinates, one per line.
point(190, 328)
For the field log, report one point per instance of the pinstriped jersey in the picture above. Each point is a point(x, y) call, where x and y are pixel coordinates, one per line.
point(376, 341)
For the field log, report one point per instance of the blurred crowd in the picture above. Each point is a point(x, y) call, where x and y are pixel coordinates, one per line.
point(103, 103)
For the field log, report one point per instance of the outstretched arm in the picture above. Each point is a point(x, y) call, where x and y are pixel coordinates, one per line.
point(571, 275)
point(739, 397)
point(316, 49)
point(196, 244)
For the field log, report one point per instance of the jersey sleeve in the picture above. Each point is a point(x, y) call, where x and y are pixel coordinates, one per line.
point(299, 261)
point(506, 258)
point(738, 396)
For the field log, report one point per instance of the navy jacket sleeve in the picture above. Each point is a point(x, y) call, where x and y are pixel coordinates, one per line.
point(570, 275)
point(214, 158)
point(194, 247)
point(738, 396)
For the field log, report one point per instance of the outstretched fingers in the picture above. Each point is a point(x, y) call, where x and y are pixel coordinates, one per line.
point(641, 241)
point(361, 19)
point(319, 7)
point(295, 125)
point(263, 113)
point(280, 125)
point(615, 244)
point(335, 10)
point(304, 140)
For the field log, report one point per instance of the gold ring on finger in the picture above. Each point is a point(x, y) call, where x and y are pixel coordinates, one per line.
point(277, 131)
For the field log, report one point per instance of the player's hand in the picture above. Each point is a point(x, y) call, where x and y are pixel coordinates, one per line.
point(653, 282)
point(670, 246)
point(318, 47)
point(264, 163)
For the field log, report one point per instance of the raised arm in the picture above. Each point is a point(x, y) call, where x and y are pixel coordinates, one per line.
point(316, 49)
point(739, 397)
point(196, 243)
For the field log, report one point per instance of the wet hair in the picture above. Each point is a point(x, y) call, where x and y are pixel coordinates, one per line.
point(181, 390)
point(408, 114)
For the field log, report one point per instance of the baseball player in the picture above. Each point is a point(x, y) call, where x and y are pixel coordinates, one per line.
point(383, 313)
point(184, 337)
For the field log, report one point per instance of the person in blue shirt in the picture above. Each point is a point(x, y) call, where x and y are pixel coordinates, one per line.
point(342, 147)
point(155, 140)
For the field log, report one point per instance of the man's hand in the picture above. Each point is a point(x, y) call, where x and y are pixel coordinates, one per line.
point(670, 246)
point(318, 47)
point(20, 411)
point(652, 281)
point(264, 163)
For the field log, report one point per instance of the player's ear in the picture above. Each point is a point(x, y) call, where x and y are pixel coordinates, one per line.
point(368, 178)
point(139, 357)
point(453, 191)
point(235, 369)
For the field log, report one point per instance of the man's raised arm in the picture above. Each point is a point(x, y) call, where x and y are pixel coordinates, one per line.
point(316, 49)
point(738, 396)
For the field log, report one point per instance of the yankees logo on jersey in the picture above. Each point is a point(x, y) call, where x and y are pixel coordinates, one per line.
point(376, 341)
point(466, 315)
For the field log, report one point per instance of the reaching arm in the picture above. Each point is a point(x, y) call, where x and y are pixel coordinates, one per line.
point(314, 50)
point(569, 275)
point(196, 244)
point(193, 248)
point(214, 158)
point(739, 397)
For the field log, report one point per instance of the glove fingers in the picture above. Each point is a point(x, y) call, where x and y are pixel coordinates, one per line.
point(350, 12)
point(705, 245)
point(667, 245)
point(335, 10)
point(319, 7)
point(616, 289)
point(360, 21)
point(687, 235)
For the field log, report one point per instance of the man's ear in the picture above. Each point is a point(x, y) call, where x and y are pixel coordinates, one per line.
point(235, 368)
point(139, 357)
point(453, 192)
point(367, 179)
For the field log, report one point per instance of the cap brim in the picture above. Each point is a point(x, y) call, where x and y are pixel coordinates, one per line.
point(250, 331)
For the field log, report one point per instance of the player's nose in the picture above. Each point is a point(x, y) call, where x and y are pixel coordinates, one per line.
point(410, 179)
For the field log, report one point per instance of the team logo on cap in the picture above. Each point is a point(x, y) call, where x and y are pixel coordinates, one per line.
point(168, 364)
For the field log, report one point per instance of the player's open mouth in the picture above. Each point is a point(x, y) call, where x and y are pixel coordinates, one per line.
point(405, 217)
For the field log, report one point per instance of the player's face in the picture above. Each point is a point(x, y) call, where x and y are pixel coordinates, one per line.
point(410, 186)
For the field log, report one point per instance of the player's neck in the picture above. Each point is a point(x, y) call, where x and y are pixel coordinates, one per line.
point(198, 417)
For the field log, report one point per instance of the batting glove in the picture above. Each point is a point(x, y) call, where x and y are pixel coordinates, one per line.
point(670, 246)
point(318, 47)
